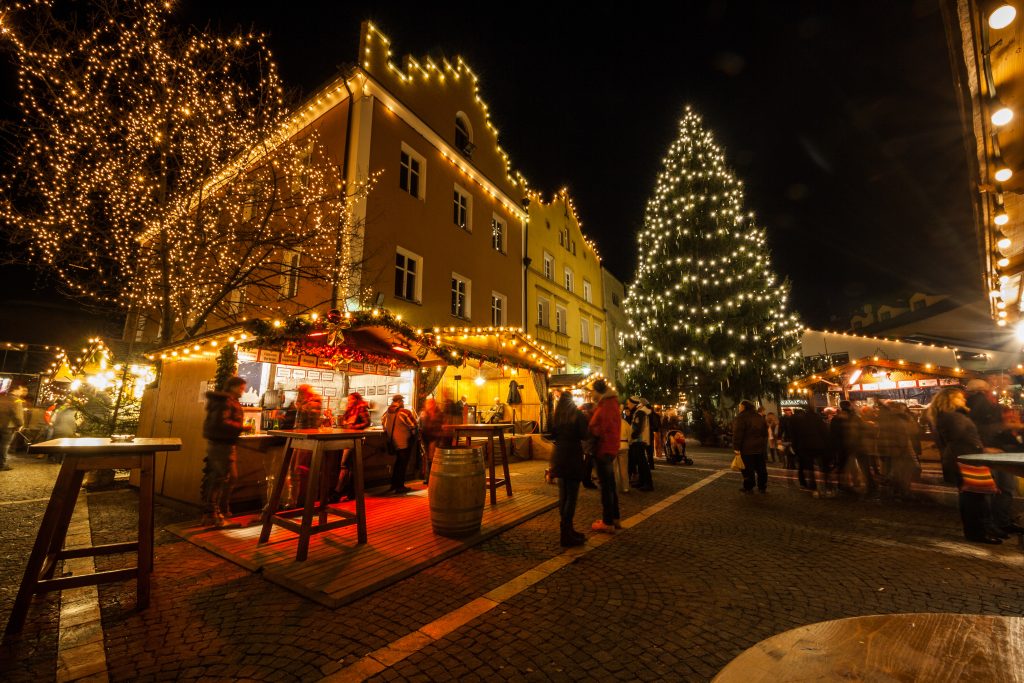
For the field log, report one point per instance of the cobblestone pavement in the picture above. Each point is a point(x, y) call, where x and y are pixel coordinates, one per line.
point(674, 598)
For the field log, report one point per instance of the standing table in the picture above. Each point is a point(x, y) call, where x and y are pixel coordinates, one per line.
point(319, 441)
point(489, 432)
point(80, 456)
point(1011, 463)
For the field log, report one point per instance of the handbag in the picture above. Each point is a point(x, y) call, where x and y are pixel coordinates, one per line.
point(737, 463)
point(977, 479)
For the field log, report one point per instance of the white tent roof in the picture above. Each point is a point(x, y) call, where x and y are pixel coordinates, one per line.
point(817, 343)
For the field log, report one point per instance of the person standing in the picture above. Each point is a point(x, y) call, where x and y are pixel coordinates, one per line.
point(772, 421)
point(400, 430)
point(12, 418)
point(589, 447)
point(956, 435)
point(569, 431)
point(810, 441)
point(221, 429)
point(987, 416)
point(655, 445)
point(356, 416)
point(431, 431)
point(308, 408)
point(639, 442)
point(844, 440)
point(605, 425)
point(749, 440)
point(895, 444)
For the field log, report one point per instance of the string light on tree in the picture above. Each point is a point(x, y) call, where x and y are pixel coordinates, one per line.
point(706, 314)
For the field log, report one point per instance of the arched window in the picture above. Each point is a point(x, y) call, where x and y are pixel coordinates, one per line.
point(463, 134)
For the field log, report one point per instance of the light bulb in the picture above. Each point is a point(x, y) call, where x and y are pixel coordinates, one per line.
point(1002, 314)
point(1004, 243)
point(1002, 16)
point(1002, 116)
point(1003, 174)
point(1003, 262)
point(1001, 218)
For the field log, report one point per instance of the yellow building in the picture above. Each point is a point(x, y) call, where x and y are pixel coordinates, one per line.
point(564, 289)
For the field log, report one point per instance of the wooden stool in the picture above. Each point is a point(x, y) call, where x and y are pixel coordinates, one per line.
point(319, 441)
point(489, 432)
point(80, 456)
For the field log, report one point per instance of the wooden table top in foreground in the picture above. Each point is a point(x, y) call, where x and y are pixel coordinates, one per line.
point(1011, 463)
point(479, 427)
point(322, 434)
point(101, 445)
point(892, 647)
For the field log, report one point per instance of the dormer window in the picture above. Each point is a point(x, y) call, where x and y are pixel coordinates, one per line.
point(464, 135)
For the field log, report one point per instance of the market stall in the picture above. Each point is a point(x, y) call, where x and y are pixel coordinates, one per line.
point(371, 352)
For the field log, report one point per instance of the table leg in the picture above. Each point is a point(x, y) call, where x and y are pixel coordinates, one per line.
point(51, 518)
point(307, 512)
point(360, 503)
point(61, 530)
point(145, 561)
point(273, 505)
point(490, 461)
point(322, 490)
point(504, 463)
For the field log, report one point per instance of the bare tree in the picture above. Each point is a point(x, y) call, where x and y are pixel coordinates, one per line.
point(156, 168)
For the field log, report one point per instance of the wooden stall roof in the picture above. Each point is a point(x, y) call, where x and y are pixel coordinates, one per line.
point(838, 375)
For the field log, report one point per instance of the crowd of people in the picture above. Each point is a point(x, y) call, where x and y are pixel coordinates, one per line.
point(875, 451)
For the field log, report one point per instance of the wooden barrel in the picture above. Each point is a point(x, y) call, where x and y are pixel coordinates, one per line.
point(457, 492)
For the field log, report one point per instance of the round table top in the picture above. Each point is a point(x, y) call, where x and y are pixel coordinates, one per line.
point(888, 647)
point(479, 427)
point(1011, 463)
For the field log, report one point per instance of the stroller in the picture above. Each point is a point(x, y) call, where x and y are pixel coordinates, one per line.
point(675, 448)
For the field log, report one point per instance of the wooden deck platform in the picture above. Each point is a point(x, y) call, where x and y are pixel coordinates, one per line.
point(400, 541)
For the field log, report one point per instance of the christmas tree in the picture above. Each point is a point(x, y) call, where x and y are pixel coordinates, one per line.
point(707, 316)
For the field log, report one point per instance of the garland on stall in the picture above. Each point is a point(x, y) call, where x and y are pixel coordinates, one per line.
point(227, 366)
point(293, 336)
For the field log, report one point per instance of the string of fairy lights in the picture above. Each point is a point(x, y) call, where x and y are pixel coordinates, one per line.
point(690, 301)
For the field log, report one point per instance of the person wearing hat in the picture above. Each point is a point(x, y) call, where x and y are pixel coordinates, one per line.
point(400, 430)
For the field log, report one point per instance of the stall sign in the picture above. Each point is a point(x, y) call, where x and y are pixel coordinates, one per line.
point(886, 384)
point(327, 376)
point(246, 355)
point(947, 382)
point(267, 356)
point(289, 358)
point(793, 403)
point(395, 372)
point(927, 382)
point(307, 361)
point(313, 375)
point(869, 386)
point(324, 363)
point(907, 384)
point(355, 367)
point(855, 387)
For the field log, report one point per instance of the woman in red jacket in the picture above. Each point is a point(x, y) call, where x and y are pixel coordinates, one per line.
point(605, 426)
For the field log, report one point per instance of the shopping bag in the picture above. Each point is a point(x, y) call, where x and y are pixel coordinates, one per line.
point(737, 463)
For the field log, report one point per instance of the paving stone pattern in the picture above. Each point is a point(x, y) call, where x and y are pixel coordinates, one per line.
point(674, 598)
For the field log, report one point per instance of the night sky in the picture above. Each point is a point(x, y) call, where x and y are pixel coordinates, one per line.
point(840, 118)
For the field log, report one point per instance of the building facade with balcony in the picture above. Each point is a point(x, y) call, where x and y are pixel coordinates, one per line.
point(565, 287)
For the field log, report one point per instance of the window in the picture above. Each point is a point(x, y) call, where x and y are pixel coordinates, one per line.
point(597, 335)
point(408, 275)
point(568, 279)
point(461, 287)
point(543, 313)
point(499, 304)
point(561, 320)
point(562, 237)
point(572, 245)
point(410, 172)
point(289, 274)
point(615, 299)
point(463, 135)
point(303, 162)
point(462, 208)
point(588, 293)
point(236, 301)
point(585, 331)
point(549, 266)
point(498, 234)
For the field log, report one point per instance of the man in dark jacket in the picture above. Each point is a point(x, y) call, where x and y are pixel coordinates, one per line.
point(810, 441)
point(638, 416)
point(12, 418)
point(750, 439)
point(221, 429)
